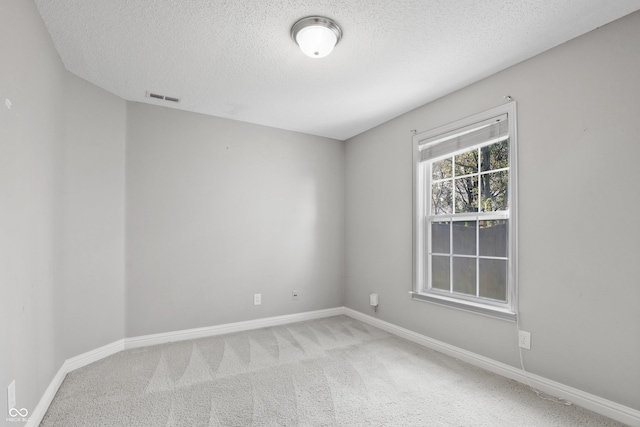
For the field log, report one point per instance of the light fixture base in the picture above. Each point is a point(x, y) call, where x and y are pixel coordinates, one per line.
point(315, 21)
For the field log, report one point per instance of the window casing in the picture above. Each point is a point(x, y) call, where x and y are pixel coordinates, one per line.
point(464, 213)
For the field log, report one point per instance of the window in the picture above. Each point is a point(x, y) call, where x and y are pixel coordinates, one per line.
point(464, 213)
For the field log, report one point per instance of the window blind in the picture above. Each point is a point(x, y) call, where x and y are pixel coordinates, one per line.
point(493, 130)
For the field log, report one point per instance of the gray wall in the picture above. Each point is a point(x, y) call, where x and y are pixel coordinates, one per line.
point(31, 139)
point(60, 140)
point(218, 210)
point(90, 301)
point(578, 127)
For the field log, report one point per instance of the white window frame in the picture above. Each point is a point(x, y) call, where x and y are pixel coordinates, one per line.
point(421, 214)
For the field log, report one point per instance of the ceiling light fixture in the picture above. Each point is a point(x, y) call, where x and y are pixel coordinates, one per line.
point(316, 35)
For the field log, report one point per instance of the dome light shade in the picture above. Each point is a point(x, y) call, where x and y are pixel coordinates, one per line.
point(316, 42)
point(316, 36)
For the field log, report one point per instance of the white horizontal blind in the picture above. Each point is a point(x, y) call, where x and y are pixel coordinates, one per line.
point(487, 131)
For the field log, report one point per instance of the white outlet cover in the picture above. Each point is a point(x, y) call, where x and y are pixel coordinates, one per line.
point(524, 339)
point(373, 300)
point(257, 299)
point(11, 395)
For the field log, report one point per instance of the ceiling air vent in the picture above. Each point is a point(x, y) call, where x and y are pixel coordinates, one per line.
point(162, 97)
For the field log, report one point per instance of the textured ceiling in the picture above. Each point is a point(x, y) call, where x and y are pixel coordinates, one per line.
point(235, 59)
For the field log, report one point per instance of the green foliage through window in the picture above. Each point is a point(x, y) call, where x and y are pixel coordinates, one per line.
point(472, 181)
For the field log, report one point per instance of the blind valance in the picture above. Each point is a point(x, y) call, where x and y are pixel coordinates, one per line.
point(488, 131)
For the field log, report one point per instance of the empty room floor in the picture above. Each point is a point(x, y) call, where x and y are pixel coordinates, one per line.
point(335, 371)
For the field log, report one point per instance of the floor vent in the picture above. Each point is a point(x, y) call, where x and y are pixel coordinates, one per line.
point(162, 97)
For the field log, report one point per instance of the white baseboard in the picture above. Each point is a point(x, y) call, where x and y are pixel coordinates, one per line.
point(100, 353)
point(589, 401)
point(41, 408)
point(94, 355)
point(594, 403)
point(227, 328)
point(70, 365)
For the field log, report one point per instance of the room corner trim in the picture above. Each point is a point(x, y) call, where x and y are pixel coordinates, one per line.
point(586, 400)
point(47, 398)
point(68, 366)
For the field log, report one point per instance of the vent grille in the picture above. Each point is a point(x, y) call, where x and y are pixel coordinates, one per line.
point(162, 97)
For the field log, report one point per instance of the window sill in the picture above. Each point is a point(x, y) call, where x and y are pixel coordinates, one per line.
point(482, 309)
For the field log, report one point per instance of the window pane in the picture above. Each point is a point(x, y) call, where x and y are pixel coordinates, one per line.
point(467, 163)
point(466, 194)
point(441, 169)
point(440, 272)
point(441, 202)
point(494, 237)
point(493, 279)
point(440, 237)
point(464, 275)
point(495, 193)
point(494, 156)
point(464, 237)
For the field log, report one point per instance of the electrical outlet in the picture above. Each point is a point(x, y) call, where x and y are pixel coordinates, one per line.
point(373, 300)
point(11, 395)
point(257, 299)
point(524, 339)
point(294, 295)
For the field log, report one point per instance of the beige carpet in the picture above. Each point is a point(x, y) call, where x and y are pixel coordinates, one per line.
point(329, 372)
